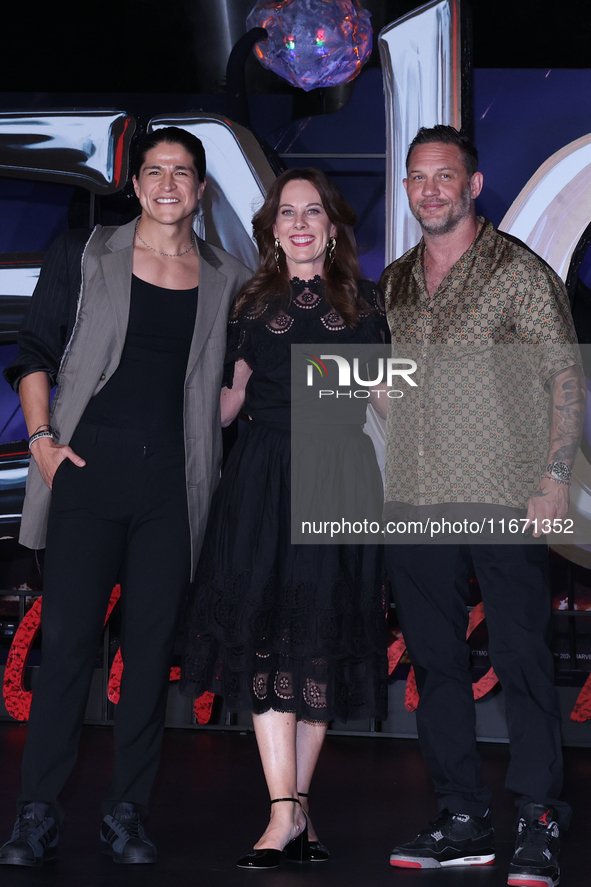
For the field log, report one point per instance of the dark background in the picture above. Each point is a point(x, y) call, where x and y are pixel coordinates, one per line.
point(156, 46)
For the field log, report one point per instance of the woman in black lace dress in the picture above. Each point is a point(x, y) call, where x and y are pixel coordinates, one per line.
point(295, 633)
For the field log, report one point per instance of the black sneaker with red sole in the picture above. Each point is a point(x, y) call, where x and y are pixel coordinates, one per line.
point(535, 862)
point(453, 839)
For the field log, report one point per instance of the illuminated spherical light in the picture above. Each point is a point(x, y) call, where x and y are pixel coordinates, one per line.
point(313, 43)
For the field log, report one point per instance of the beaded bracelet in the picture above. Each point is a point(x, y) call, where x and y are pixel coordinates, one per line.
point(38, 435)
point(565, 483)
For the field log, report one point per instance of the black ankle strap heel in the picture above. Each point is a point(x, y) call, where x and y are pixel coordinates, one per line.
point(316, 849)
point(296, 851)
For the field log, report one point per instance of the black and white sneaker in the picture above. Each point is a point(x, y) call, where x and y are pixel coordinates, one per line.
point(535, 863)
point(451, 839)
point(124, 838)
point(34, 837)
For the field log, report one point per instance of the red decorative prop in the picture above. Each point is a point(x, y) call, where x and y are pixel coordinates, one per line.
point(202, 707)
point(480, 687)
point(411, 696)
point(203, 704)
point(16, 699)
point(395, 653)
point(114, 685)
point(582, 710)
point(115, 595)
point(487, 681)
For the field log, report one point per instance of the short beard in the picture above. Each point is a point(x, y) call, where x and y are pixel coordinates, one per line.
point(458, 212)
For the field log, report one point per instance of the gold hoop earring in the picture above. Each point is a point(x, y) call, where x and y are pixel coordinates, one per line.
point(331, 247)
point(277, 248)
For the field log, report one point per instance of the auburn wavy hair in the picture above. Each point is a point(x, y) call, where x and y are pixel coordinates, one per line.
point(270, 287)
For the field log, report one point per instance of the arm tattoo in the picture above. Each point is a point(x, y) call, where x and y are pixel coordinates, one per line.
point(567, 414)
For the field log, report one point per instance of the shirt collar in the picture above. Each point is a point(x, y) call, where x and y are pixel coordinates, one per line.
point(481, 245)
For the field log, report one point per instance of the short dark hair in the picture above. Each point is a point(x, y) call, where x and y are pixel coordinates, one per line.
point(171, 135)
point(449, 136)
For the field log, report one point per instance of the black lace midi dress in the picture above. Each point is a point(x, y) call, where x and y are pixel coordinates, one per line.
point(271, 625)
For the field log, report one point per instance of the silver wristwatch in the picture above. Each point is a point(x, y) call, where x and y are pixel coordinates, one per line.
point(559, 471)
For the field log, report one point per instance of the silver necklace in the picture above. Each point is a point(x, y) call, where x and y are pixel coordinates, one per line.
point(168, 255)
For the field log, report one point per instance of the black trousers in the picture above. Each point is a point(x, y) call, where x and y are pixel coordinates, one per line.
point(430, 590)
point(122, 518)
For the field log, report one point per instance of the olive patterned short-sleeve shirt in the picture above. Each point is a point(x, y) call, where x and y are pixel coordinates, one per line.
point(475, 429)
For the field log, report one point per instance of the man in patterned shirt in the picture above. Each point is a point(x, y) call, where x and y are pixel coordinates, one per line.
point(464, 287)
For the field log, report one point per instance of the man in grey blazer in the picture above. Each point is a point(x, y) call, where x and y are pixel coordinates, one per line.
point(130, 324)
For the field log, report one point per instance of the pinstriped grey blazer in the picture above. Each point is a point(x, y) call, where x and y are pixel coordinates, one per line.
point(94, 351)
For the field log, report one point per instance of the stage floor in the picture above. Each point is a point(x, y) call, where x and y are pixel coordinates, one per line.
point(210, 805)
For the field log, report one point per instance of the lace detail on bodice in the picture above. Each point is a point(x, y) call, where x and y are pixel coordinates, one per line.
point(307, 293)
point(333, 321)
point(280, 324)
point(263, 338)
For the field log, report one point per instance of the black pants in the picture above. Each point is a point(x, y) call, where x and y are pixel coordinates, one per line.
point(430, 590)
point(122, 518)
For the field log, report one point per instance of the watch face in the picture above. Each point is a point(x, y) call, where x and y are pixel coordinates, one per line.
point(559, 470)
